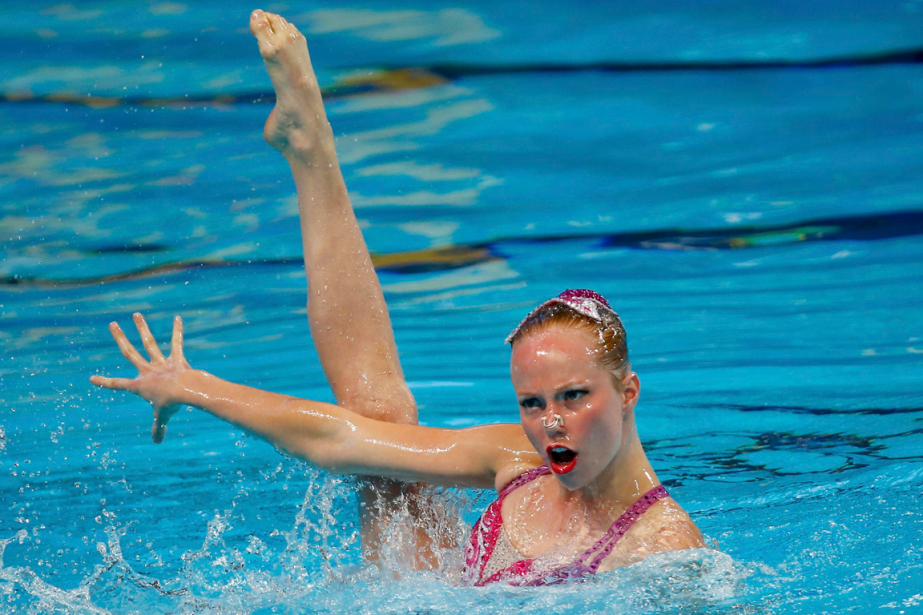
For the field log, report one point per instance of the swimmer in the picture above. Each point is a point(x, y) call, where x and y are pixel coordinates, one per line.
point(576, 493)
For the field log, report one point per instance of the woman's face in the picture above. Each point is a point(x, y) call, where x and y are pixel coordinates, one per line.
point(555, 372)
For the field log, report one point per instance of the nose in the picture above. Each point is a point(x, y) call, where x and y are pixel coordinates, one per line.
point(552, 421)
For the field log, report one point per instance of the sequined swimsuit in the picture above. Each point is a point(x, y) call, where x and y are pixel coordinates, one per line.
point(490, 556)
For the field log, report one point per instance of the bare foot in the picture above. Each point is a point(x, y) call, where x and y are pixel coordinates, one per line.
point(297, 126)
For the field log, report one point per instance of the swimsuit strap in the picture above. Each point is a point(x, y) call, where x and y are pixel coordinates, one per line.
point(526, 477)
point(619, 528)
point(486, 531)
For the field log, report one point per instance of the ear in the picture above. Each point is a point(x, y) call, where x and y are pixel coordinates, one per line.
point(631, 390)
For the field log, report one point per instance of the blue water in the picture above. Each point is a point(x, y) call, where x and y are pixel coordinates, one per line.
point(758, 228)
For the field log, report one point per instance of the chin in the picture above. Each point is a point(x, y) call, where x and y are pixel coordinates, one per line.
point(570, 485)
point(572, 480)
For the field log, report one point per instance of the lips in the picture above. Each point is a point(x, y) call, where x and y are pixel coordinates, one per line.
point(561, 459)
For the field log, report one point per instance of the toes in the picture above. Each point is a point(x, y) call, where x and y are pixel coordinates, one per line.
point(291, 31)
point(276, 37)
point(259, 23)
point(271, 31)
point(275, 22)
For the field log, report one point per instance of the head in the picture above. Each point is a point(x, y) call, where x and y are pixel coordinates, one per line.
point(574, 383)
point(587, 310)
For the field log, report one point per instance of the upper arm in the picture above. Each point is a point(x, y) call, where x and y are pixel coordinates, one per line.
point(472, 457)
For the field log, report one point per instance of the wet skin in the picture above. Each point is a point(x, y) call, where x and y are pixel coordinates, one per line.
point(298, 125)
point(554, 373)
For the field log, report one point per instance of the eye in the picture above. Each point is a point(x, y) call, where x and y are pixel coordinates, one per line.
point(573, 394)
point(531, 403)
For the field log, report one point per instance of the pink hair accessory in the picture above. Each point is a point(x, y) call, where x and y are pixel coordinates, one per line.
point(581, 300)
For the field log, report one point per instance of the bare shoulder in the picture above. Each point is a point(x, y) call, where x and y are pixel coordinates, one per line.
point(673, 529)
point(516, 454)
point(664, 527)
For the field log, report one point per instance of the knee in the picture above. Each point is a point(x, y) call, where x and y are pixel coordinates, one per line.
point(391, 405)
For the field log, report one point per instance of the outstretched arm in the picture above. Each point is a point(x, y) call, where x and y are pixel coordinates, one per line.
point(330, 436)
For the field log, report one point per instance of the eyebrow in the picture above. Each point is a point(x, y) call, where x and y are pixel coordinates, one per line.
point(571, 385)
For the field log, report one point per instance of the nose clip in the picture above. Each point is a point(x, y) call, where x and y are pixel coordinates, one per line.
point(556, 422)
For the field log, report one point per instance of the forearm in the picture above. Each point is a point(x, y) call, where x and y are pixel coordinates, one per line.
point(298, 426)
point(342, 441)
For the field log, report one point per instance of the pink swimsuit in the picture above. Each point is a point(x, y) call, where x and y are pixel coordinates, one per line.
point(486, 535)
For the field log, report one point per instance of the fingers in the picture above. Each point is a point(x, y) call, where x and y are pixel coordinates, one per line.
point(176, 344)
point(150, 344)
point(162, 416)
point(145, 385)
point(116, 384)
point(128, 351)
point(159, 430)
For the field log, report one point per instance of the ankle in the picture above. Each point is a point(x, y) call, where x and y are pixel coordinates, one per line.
point(310, 145)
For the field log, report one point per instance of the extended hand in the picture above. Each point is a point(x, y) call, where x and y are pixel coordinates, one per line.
point(156, 381)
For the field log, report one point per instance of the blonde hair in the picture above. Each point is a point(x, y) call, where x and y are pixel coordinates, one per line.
point(612, 341)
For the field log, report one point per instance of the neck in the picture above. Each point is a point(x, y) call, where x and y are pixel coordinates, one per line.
point(625, 479)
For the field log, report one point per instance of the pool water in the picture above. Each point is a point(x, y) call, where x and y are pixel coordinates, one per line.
point(742, 180)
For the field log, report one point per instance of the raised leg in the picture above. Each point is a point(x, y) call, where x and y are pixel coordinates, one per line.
point(349, 320)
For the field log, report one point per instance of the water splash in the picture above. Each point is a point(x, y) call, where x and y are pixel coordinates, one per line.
point(313, 570)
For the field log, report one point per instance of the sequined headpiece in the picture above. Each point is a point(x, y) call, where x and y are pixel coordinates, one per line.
point(581, 300)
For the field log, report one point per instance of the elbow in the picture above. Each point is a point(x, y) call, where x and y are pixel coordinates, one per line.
point(327, 453)
point(322, 435)
point(298, 448)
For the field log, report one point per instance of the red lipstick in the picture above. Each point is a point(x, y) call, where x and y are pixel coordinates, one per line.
point(561, 459)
